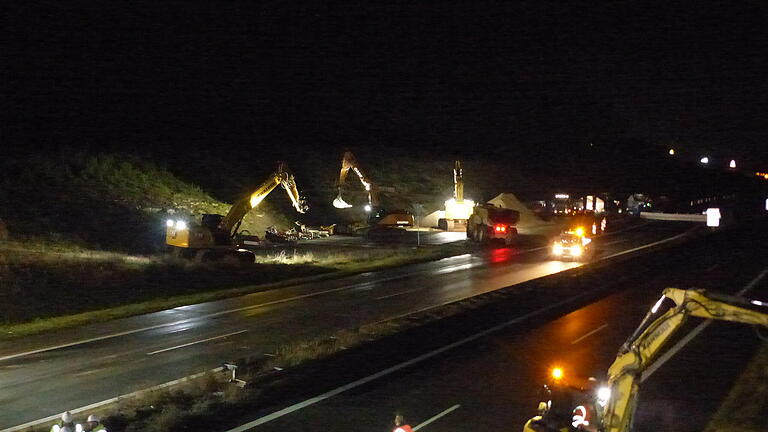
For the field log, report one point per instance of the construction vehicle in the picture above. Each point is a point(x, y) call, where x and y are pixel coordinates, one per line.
point(214, 237)
point(573, 244)
point(490, 223)
point(571, 406)
point(376, 214)
point(457, 210)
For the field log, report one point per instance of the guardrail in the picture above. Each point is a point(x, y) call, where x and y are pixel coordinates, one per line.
point(683, 217)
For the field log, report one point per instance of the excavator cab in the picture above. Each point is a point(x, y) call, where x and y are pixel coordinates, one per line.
point(566, 405)
point(213, 222)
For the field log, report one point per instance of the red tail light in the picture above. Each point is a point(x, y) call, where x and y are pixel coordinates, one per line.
point(500, 228)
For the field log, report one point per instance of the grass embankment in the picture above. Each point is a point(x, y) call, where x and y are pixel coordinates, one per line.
point(51, 286)
point(745, 407)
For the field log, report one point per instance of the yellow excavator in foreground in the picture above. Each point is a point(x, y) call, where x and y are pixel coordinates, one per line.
point(569, 406)
point(213, 238)
point(376, 215)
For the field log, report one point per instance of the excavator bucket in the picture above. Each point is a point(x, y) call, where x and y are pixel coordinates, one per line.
point(340, 203)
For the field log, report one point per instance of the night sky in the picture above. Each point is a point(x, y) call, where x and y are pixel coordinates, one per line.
point(530, 78)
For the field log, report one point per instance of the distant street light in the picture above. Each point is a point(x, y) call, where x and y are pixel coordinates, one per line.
point(671, 152)
point(732, 164)
point(704, 160)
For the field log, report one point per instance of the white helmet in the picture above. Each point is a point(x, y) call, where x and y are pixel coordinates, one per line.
point(66, 417)
point(92, 418)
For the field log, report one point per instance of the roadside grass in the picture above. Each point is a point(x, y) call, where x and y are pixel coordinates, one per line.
point(45, 288)
point(744, 408)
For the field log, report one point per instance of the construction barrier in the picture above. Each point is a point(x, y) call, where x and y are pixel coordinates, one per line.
point(679, 217)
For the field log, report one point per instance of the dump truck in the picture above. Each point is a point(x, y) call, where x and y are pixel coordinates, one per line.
point(490, 223)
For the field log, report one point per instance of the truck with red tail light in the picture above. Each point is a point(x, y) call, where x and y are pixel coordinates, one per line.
point(490, 223)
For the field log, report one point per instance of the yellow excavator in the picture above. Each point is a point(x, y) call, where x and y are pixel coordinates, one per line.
point(457, 209)
point(213, 238)
point(376, 215)
point(581, 406)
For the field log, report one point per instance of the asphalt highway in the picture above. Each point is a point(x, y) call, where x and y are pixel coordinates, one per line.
point(44, 375)
point(492, 384)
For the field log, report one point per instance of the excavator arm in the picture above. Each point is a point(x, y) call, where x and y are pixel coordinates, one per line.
point(614, 405)
point(641, 349)
point(458, 183)
point(349, 162)
point(283, 177)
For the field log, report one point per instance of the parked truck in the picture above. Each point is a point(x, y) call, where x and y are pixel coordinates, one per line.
point(490, 223)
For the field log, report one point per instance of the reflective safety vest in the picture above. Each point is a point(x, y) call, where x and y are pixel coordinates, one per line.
point(403, 428)
point(99, 428)
point(60, 425)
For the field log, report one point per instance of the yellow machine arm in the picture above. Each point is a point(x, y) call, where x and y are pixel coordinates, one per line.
point(283, 177)
point(639, 351)
point(458, 183)
point(349, 162)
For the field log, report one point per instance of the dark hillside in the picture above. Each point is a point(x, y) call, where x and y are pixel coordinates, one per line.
point(108, 201)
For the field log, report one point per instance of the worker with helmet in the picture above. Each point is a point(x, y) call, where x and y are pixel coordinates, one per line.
point(93, 424)
point(400, 426)
point(64, 422)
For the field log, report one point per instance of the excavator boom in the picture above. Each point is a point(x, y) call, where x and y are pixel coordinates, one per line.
point(615, 404)
point(641, 349)
point(281, 176)
point(458, 183)
point(349, 162)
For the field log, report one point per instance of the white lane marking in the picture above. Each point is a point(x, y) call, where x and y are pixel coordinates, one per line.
point(613, 242)
point(92, 406)
point(589, 334)
point(89, 372)
point(699, 328)
point(436, 417)
point(666, 240)
point(331, 393)
point(398, 293)
point(629, 228)
point(196, 342)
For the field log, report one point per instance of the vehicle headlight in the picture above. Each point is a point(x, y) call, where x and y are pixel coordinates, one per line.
point(603, 394)
point(181, 225)
point(576, 250)
point(367, 208)
point(169, 223)
point(557, 249)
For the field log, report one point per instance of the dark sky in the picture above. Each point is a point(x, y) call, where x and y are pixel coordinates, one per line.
point(534, 78)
